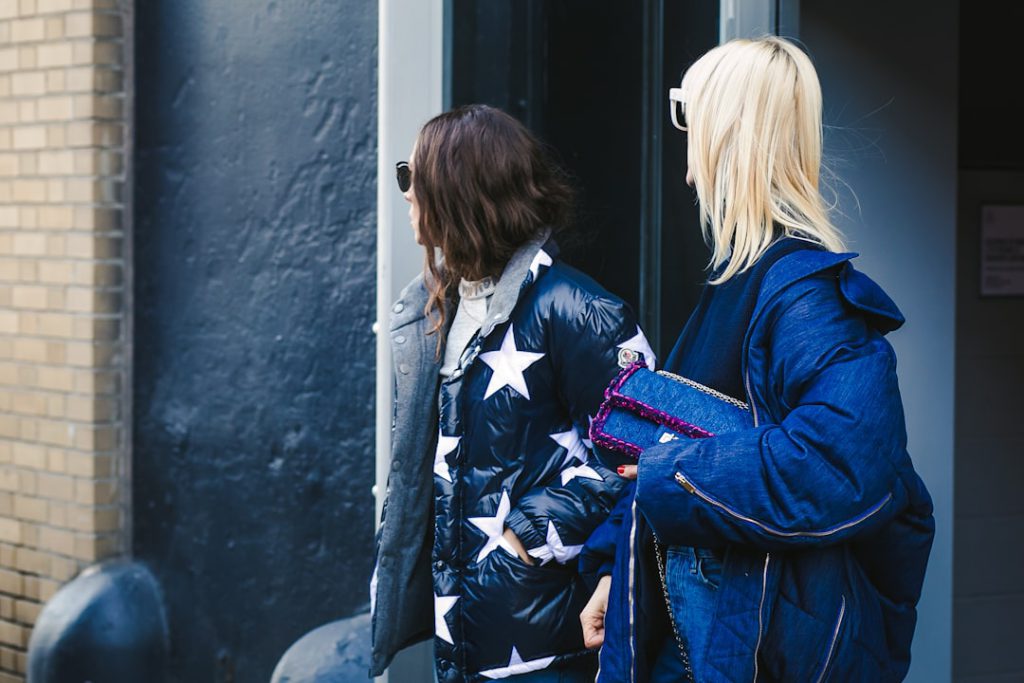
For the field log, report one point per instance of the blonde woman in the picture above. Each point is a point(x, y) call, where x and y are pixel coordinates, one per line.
point(794, 550)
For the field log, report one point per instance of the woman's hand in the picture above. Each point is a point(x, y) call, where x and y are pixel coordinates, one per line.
point(627, 471)
point(517, 545)
point(592, 616)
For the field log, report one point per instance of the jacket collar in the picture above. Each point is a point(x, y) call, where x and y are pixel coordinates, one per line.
point(520, 271)
point(793, 268)
point(857, 289)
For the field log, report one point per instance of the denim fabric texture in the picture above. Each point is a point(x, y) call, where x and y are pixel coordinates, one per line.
point(694, 575)
point(640, 412)
point(828, 526)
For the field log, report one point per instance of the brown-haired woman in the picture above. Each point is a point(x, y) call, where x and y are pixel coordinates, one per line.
point(501, 353)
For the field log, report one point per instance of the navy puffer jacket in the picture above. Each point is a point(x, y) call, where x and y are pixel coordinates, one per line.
point(509, 449)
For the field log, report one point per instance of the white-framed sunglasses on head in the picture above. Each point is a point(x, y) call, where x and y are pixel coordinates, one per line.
point(677, 104)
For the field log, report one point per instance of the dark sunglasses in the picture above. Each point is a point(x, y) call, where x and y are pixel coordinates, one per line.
point(404, 176)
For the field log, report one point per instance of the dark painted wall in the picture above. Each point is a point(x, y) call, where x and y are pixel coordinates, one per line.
point(991, 109)
point(691, 29)
point(254, 299)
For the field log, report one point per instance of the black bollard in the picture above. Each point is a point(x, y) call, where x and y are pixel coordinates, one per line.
point(108, 625)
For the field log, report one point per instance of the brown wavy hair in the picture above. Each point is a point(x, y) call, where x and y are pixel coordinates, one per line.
point(485, 186)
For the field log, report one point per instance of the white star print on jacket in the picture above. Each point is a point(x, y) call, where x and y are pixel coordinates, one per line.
point(574, 465)
point(586, 440)
point(494, 527)
point(508, 364)
point(516, 665)
point(583, 471)
point(639, 344)
point(445, 445)
point(575, 449)
point(542, 258)
point(442, 606)
point(554, 548)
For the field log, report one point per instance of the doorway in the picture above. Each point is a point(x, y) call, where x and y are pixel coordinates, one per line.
point(591, 80)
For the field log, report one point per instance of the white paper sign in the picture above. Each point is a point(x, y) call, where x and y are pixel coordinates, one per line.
point(1002, 250)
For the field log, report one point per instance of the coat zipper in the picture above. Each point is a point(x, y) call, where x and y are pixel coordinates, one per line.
point(632, 572)
point(690, 488)
point(760, 612)
point(767, 556)
point(750, 396)
point(835, 639)
point(686, 484)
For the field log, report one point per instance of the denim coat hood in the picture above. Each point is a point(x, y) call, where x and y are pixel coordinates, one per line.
point(501, 443)
point(824, 526)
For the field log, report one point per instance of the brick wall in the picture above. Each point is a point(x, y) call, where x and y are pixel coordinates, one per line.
point(61, 324)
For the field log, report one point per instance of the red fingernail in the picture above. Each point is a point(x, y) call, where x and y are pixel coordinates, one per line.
point(622, 469)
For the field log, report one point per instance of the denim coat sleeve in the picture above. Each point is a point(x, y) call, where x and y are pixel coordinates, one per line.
point(584, 341)
point(827, 470)
point(597, 558)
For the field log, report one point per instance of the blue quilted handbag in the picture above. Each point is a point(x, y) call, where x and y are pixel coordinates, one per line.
point(642, 408)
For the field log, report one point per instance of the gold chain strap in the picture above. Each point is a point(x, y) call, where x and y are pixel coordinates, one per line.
point(707, 390)
point(657, 546)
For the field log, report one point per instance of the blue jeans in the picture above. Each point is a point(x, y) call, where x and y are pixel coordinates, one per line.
point(692, 576)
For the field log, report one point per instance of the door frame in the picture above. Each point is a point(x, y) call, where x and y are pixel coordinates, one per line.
point(411, 52)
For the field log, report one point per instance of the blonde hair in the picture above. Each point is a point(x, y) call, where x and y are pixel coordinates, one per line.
point(753, 110)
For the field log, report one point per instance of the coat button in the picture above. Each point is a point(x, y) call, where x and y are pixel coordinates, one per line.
point(396, 465)
point(398, 308)
point(400, 339)
point(439, 565)
point(403, 368)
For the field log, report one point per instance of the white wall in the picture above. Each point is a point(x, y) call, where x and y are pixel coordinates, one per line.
point(410, 67)
point(889, 74)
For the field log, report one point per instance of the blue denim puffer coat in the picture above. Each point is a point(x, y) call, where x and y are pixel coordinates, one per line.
point(824, 524)
point(506, 446)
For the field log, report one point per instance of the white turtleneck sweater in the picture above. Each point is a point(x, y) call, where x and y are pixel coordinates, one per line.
point(473, 300)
